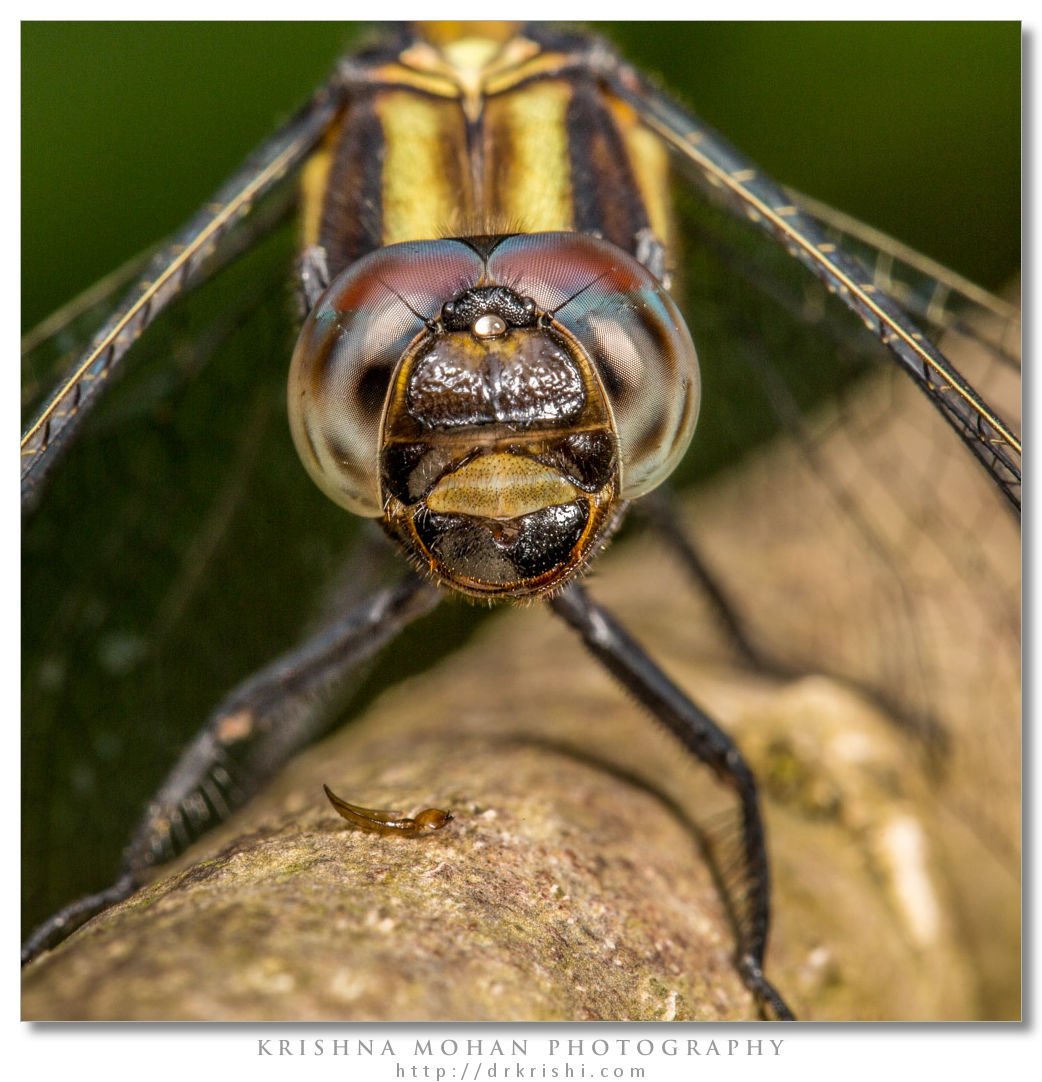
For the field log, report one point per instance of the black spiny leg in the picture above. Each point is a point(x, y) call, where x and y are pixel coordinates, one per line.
point(244, 742)
point(631, 666)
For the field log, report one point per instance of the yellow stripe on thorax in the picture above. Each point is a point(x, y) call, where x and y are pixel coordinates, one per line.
point(426, 178)
point(649, 160)
point(313, 180)
point(529, 166)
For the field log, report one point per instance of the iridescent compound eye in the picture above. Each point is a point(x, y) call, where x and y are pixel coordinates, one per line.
point(349, 349)
point(496, 400)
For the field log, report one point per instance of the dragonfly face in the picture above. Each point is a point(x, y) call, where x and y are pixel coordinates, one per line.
point(508, 425)
point(137, 662)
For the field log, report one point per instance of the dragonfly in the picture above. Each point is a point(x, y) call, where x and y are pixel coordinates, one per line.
point(122, 654)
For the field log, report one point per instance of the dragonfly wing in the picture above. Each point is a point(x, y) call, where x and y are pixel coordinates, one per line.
point(171, 270)
point(740, 185)
point(945, 302)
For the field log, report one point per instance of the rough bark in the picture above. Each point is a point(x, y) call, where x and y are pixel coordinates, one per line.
point(563, 888)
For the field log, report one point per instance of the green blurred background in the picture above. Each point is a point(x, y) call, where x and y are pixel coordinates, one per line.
point(913, 127)
point(127, 128)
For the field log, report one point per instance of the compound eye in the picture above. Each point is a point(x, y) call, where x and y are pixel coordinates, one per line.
point(348, 351)
point(633, 333)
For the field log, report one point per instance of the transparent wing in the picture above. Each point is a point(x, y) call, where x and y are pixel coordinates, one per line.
point(53, 350)
point(734, 180)
point(941, 301)
point(172, 270)
point(52, 346)
point(123, 565)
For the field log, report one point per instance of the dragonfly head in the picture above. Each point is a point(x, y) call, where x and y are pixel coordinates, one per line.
point(496, 401)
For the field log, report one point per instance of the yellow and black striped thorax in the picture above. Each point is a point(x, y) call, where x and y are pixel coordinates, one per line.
point(496, 368)
point(454, 135)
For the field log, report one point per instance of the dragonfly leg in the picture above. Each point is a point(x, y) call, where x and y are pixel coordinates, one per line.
point(651, 252)
point(63, 923)
point(625, 659)
point(314, 276)
point(245, 741)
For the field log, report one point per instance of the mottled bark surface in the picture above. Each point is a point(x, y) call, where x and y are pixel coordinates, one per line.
point(569, 885)
point(563, 889)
